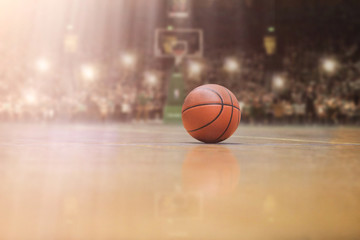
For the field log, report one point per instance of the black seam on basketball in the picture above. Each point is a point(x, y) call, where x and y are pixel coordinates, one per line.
point(222, 107)
point(209, 104)
point(232, 112)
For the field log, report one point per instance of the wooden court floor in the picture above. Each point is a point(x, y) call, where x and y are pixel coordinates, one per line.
point(154, 182)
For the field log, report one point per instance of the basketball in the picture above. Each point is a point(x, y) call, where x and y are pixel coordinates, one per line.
point(211, 113)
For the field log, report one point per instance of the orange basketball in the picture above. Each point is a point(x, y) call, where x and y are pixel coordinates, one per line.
point(211, 113)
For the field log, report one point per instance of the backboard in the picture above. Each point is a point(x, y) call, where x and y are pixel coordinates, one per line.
point(168, 43)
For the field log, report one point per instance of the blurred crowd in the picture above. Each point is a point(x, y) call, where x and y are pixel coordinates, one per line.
point(315, 84)
point(104, 89)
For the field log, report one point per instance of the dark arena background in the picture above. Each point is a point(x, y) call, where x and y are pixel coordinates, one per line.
point(91, 138)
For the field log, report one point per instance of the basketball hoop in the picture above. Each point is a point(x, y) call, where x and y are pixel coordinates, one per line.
point(179, 57)
point(168, 41)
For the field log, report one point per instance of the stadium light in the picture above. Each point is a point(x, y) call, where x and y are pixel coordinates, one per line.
point(231, 65)
point(69, 27)
point(30, 97)
point(88, 72)
point(42, 65)
point(271, 29)
point(278, 82)
point(195, 68)
point(329, 65)
point(128, 60)
point(151, 79)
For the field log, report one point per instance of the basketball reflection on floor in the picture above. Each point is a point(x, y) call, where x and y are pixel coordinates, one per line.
point(208, 172)
point(211, 171)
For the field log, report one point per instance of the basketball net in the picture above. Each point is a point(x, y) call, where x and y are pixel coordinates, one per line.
point(179, 57)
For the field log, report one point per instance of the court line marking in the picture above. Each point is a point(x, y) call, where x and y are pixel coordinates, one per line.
point(164, 144)
point(183, 133)
point(297, 140)
point(257, 137)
